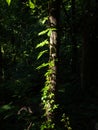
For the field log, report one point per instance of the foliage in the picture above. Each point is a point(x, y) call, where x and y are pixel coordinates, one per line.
point(8, 2)
point(66, 121)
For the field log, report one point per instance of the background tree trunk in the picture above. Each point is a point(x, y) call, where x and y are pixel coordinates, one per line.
point(90, 50)
point(75, 68)
point(0, 65)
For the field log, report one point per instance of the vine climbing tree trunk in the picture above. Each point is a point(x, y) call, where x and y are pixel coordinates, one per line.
point(53, 45)
point(51, 79)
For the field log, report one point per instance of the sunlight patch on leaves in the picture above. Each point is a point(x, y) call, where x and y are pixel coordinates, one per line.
point(43, 32)
point(41, 53)
point(31, 4)
point(50, 31)
point(42, 66)
point(42, 44)
point(8, 2)
point(44, 20)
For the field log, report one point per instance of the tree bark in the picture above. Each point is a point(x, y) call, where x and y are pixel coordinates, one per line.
point(54, 8)
point(0, 65)
point(90, 51)
point(75, 66)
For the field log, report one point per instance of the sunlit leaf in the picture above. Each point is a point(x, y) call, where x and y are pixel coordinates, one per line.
point(41, 53)
point(44, 20)
point(43, 32)
point(50, 31)
point(42, 44)
point(8, 2)
point(31, 4)
point(42, 65)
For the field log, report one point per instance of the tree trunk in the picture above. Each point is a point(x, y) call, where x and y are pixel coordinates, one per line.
point(75, 66)
point(54, 16)
point(54, 8)
point(0, 65)
point(90, 51)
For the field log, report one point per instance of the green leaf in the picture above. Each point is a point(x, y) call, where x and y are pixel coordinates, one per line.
point(50, 31)
point(6, 107)
point(8, 2)
point(44, 20)
point(48, 72)
point(41, 53)
point(31, 4)
point(42, 44)
point(42, 65)
point(43, 32)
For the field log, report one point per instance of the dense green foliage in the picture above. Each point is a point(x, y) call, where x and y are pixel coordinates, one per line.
point(24, 61)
